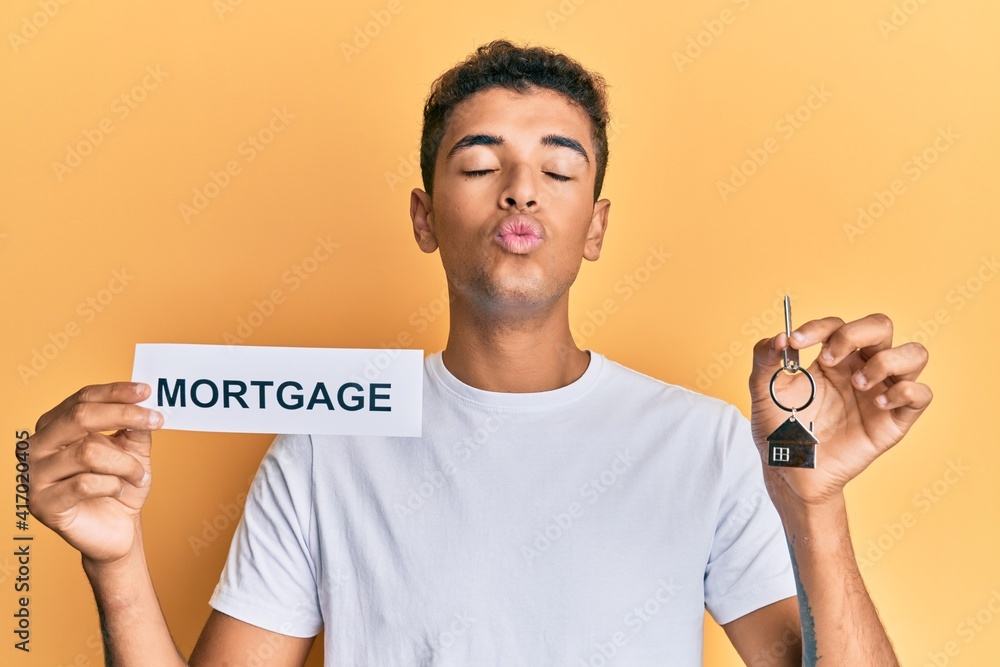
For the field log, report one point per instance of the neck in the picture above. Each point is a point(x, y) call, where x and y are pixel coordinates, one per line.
point(527, 353)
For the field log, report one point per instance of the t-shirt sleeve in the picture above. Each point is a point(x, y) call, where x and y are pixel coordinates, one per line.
point(749, 566)
point(270, 578)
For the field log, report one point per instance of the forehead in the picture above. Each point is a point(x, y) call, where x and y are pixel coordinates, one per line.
point(531, 114)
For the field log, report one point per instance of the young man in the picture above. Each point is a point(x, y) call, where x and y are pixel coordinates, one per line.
point(573, 512)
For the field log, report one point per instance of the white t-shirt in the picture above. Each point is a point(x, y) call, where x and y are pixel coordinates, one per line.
point(588, 525)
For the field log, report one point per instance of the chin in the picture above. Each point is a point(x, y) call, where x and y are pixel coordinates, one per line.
point(513, 295)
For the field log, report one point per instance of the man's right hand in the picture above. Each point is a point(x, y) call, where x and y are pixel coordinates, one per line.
point(87, 486)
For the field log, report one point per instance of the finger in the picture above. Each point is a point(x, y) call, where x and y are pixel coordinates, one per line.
point(766, 360)
point(892, 366)
point(73, 424)
point(69, 493)
point(870, 335)
point(114, 392)
point(907, 400)
point(95, 454)
point(814, 332)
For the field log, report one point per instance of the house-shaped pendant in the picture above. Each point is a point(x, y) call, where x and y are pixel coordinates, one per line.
point(792, 445)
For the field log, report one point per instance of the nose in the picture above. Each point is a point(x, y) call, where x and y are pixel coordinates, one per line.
point(520, 190)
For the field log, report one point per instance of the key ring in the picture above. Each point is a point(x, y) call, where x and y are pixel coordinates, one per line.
point(793, 371)
point(792, 445)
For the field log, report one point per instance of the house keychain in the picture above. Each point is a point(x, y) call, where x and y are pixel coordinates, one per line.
point(792, 445)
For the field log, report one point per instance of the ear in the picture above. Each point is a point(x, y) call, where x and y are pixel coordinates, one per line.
point(423, 220)
point(595, 234)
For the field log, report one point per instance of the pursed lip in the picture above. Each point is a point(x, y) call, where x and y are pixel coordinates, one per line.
point(519, 234)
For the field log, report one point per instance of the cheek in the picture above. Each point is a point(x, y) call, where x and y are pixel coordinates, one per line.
point(457, 235)
point(585, 216)
point(462, 215)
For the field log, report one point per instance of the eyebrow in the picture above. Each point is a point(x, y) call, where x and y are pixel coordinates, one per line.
point(496, 140)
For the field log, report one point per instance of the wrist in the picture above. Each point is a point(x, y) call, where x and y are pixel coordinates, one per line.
point(787, 500)
point(118, 581)
point(817, 524)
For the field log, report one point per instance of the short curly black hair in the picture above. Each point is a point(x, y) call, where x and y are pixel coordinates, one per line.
point(504, 64)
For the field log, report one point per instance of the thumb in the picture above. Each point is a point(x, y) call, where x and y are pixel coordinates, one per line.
point(766, 360)
point(134, 441)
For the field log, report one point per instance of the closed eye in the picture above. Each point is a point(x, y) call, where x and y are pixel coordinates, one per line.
point(483, 172)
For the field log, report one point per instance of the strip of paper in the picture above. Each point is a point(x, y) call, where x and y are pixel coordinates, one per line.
point(254, 389)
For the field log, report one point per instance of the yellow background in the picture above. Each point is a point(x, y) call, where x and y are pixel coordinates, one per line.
point(895, 75)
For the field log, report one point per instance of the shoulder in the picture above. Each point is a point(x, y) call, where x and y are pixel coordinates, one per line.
point(621, 377)
point(283, 482)
point(289, 459)
point(289, 447)
point(698, 423)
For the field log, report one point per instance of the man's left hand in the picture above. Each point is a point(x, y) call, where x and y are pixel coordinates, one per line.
point(867, 398)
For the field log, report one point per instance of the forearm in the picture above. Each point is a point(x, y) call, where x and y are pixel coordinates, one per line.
point(132, 623)
point(840, 625)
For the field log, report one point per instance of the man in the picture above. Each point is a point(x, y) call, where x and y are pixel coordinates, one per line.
point(574, 512)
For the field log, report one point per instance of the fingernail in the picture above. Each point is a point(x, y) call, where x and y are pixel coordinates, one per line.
point(882, 400)
point(860, 379)
point(140, 389)
point(145, 479)
point(154, 419)
point(827, 356)
point(798, 337)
